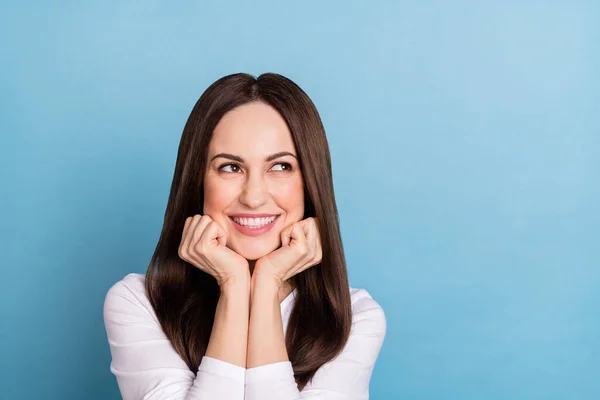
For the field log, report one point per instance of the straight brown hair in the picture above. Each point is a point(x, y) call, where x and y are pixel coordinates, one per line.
point(185, 298)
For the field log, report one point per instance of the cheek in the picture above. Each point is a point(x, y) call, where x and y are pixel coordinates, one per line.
point(290, 197)
point(217, 196)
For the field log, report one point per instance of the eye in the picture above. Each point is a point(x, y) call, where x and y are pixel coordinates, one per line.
point(234, 166)
point(288, 166)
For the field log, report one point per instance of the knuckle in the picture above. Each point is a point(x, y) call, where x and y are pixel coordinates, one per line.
point(191, 248)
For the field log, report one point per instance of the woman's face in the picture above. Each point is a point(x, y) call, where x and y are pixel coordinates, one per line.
point(252, 171)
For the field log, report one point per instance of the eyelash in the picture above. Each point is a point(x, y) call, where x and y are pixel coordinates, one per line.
point(288, 167)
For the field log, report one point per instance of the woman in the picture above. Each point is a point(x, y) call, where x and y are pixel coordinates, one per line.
point(247, 293)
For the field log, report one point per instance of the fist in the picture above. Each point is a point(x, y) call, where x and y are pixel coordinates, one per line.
point(300, 249)
point(204, 245)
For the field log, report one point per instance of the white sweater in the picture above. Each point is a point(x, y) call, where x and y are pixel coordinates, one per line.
point(147, 367)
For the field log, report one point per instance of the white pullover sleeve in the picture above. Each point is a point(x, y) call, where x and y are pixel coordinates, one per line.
point(146, 365)
point(346, 377)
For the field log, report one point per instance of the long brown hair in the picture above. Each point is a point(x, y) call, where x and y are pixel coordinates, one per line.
point(185, 298)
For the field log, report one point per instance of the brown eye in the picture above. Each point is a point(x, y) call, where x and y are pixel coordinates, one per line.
point(235, 168)
point(288, 166)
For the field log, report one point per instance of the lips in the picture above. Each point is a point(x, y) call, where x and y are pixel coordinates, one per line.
point(251, 231)
point(254, 222)
point(253, 215)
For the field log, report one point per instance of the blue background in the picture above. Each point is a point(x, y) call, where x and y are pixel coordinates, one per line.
point(465, 140)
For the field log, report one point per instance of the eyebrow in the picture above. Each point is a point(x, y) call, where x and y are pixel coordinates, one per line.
point(240, 159)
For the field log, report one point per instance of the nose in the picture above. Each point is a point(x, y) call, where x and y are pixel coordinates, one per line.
point(255, 192)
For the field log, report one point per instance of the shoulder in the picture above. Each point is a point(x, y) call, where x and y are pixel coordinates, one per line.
point(128, 296)
point(368, 316)
point(131, 287)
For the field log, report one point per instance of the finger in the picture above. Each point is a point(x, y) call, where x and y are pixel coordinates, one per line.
point(210, 235)
point(221, 235)
point(286, 235)
point(310, 229)
point(187, 239)
point(299, 236)
point(311, 237)
point(316, 228)
point(303, 249)
point(186, 226)
point(318, 245)
point(199, 229)
point(305, 224)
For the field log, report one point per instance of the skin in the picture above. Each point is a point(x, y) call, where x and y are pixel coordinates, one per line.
point(252, 272)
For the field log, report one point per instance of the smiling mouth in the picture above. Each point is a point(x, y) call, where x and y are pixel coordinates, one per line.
point(254, 223)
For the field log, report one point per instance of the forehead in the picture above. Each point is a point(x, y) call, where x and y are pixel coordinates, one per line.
point(252, 130)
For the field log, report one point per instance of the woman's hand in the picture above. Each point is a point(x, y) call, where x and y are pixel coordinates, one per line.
point(203, 244)
point(300, 249)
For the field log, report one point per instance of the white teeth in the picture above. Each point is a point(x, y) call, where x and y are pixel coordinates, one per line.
point(254, 222)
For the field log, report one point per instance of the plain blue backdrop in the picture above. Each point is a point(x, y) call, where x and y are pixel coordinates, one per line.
point(465, 141)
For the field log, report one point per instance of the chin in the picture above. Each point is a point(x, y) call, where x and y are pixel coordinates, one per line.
point(253, 253)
